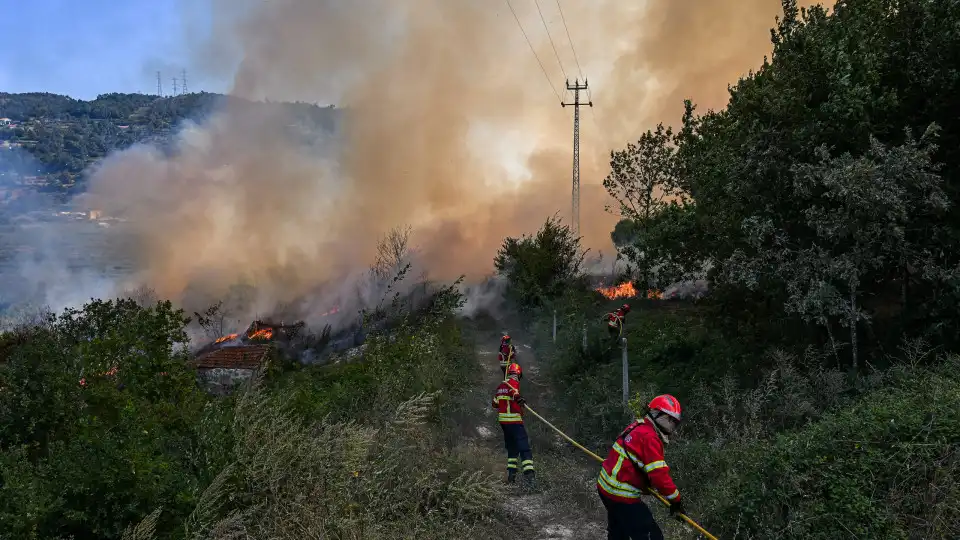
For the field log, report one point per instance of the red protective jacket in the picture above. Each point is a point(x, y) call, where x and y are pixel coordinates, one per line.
point(508, 354)
point(508, 412)
point(634, 464)
point(615, 319)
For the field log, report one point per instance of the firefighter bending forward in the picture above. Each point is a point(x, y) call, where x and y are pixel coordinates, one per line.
point(509, 405)
point(634, 464)
point(508, 354)
point(615, 320)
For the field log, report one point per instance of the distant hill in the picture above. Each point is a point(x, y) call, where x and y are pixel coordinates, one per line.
point(47, 140)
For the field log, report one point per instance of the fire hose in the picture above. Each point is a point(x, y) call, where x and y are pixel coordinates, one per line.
point(684, 517)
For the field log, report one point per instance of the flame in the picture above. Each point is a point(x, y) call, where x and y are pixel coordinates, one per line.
point(331, 312)
point(226, 338)
point(654, 294)
point(624, 290)
point(263, 333)
point(110, 372)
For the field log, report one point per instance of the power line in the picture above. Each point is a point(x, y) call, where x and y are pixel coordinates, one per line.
point(575, 57)
point(552, 87)
point(544, 21)
point(569, 39)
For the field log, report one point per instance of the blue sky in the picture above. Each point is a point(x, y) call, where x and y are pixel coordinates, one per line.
point(87, 47)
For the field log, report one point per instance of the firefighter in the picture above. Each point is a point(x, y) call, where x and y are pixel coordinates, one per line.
point(507, 355)
point(635, 464)
point(509, 405)
point(615, 320)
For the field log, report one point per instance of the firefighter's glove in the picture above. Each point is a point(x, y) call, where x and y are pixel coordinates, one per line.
point(519, 400)
point(676, 508)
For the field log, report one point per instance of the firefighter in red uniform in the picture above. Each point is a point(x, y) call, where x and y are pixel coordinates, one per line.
point(509, 405)
point(635, 464)
point(615, 320)
point(508, 354)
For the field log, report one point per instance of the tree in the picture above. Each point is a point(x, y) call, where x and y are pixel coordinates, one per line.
point(99, 404)
point(860, 217)
point(644, 181)
point(539, 268)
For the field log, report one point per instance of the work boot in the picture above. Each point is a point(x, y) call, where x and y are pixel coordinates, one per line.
point(512, 477)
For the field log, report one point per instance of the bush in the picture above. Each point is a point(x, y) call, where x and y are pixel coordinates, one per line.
point(340, 479)
point(98, 405)
point(885, 468)
point(540, 268)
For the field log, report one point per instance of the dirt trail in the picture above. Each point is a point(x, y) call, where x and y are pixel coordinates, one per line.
point(563, 505)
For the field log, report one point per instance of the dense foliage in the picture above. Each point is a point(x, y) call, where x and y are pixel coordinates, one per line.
point(819, 376)
point(103, 426)
point(541, 267)
point(822, 197)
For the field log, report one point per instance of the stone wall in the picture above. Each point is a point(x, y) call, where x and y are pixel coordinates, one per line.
point(222, 381)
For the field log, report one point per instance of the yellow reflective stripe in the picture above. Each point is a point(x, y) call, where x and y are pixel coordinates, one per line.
point(672, 496)
point(627, 454)
point(617, 488)
point(655, 465)
point(509, 417)
point(527, 465)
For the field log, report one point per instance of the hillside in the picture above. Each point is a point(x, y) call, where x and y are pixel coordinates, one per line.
point(48, 140)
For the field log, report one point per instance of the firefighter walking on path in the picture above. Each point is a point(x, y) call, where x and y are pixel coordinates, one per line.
point(615, 320)
point(509, 405)
point(635, 464)
point(508, 354)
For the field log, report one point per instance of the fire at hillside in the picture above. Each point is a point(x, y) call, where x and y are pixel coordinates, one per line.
point(626, 290)
point(259, 331)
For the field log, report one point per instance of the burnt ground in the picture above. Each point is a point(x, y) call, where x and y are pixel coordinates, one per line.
point(564, 503)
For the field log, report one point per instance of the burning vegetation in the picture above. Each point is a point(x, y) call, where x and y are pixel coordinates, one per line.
point(627, 290)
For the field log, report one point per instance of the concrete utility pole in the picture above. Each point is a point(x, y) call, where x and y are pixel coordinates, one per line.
point(576, 87)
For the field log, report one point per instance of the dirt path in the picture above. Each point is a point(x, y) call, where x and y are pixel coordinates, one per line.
point(564, 504)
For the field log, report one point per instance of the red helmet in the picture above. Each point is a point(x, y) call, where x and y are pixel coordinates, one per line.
point(625, 308)
point(505, 339)
point(514, 369)
point(666, 404)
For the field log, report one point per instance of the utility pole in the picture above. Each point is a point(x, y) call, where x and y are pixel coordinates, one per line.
point(183, 81)
point(174, 86)
point(159, 86)
point(576, 87)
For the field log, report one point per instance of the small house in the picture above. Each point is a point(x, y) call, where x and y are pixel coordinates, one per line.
point(222, 369)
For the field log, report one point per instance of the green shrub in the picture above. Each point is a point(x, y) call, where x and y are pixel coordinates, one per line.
point(124, 439)
point(540, 268)
point(884, 468)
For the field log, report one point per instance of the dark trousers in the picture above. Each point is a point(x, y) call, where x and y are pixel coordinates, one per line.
point(630, 521)
point(519, 455)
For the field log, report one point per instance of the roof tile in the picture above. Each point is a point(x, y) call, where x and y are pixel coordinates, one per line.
point(239, 357)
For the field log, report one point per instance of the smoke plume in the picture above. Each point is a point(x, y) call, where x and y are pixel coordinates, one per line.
point(440, 97)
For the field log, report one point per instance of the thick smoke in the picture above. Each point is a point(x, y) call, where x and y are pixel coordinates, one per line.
point(439, 96)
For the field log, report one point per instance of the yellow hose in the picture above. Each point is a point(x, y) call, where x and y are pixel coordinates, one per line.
point(685, 518)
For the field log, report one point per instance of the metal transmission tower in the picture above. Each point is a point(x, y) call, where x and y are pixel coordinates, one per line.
point(576, 87)
point(174, 87)
point(183, 82)
point(159, 86)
